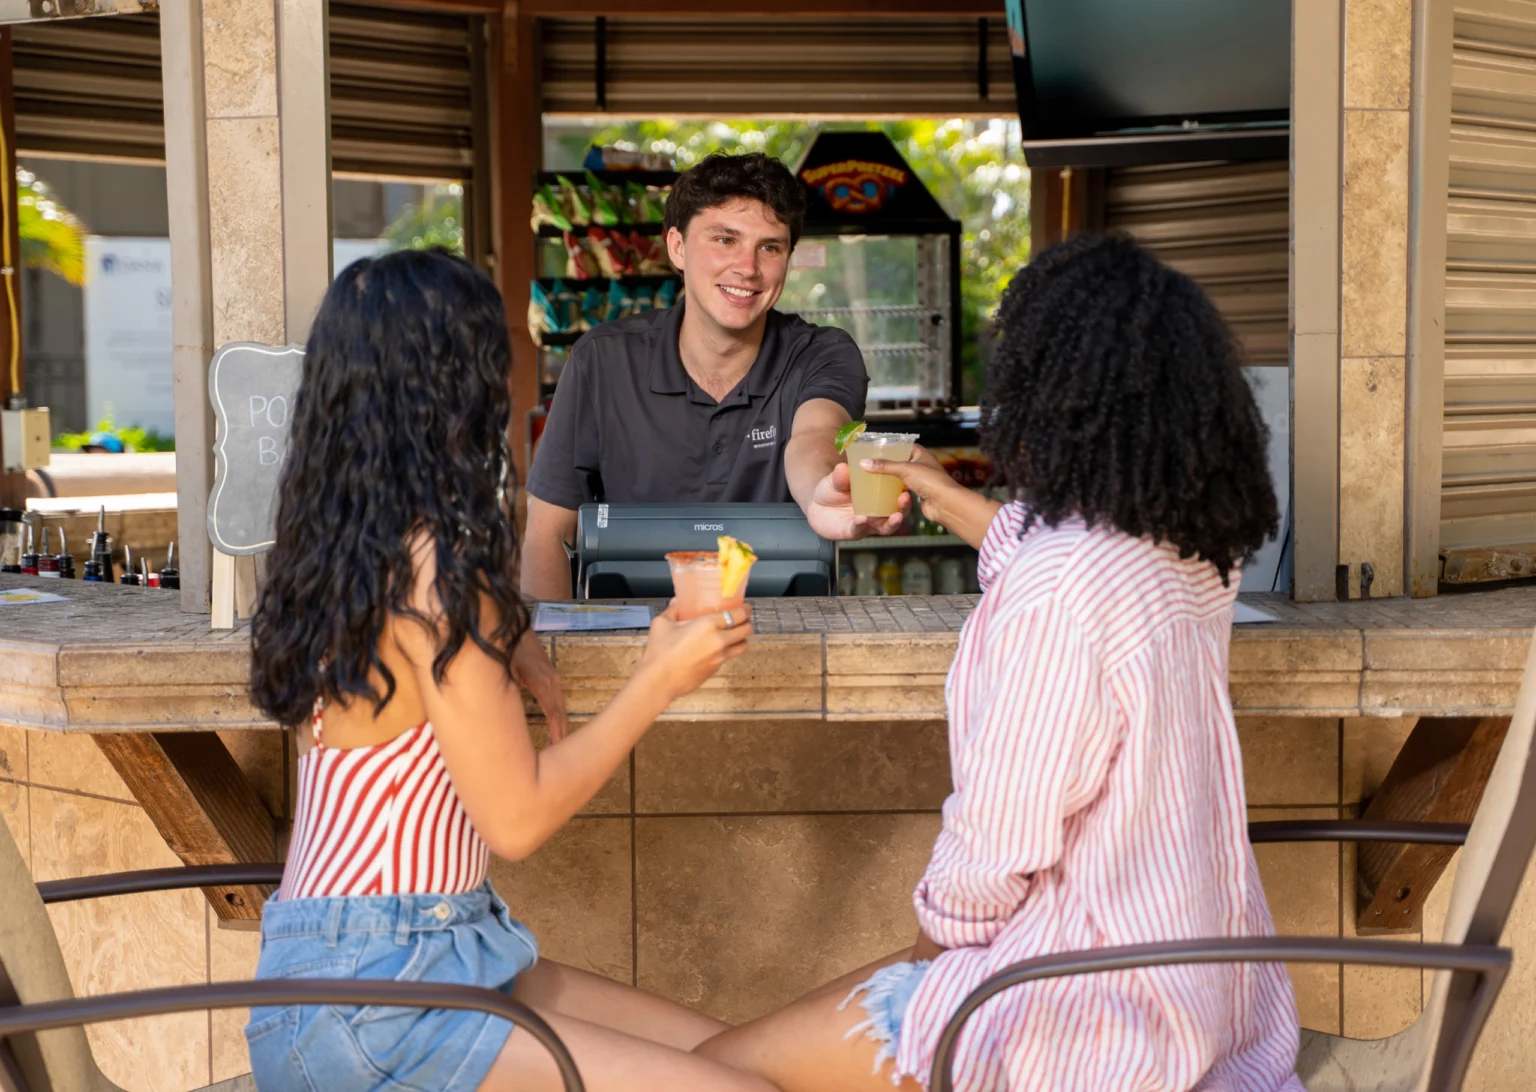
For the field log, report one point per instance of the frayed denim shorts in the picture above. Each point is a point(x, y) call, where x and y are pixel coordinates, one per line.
point(887, 993)
point(467, 939)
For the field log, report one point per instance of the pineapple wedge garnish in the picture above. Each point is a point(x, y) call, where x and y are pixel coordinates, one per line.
point(735, 562)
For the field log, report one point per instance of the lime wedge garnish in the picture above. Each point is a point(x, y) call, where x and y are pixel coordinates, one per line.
point(846, 435)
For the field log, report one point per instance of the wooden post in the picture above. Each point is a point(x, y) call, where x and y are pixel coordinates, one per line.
point(518, 152)
point(13, 487)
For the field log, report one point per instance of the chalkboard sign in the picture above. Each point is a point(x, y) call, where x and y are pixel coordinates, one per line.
point(252, 388)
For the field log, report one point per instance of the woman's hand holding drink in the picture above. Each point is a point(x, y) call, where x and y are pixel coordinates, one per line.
point(682, 655)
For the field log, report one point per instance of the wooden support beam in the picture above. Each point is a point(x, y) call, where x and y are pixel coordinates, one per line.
point(201, 803)
point(518, 135)
point(1063, 201)
point(1438, 777)
point(13, 487)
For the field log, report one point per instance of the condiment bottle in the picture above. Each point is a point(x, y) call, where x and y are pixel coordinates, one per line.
point(130, 577)
point(47, 564)
point(949, 577)
point(65, 559)
point(99, 567)
point(170, 576)
point(916, 577)
point(888, 576)
point(864, 575)
point(29, 559)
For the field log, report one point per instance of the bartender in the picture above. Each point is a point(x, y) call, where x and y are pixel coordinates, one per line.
point(719, 398)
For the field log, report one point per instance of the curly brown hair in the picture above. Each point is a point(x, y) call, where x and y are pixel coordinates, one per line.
point(1115, 393)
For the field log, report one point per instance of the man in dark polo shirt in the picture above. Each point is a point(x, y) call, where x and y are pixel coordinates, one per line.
point(719, 398)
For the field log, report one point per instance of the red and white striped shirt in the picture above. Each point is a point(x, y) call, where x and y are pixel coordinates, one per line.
point(1098, 801)
point(381, 820)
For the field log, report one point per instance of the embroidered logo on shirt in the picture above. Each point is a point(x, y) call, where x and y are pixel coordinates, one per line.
point(764, 437)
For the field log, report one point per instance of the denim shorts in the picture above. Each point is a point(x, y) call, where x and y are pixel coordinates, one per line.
point(887, 993)
point(467, 939)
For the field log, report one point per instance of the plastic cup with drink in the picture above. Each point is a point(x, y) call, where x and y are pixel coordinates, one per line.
point(874, 494)
point(703, 581)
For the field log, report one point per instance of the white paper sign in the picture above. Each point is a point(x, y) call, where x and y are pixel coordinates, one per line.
point(128, 332)
point(128, 327)
point(577, 617)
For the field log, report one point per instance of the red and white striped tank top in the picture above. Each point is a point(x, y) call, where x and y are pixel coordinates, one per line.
point(380, 820)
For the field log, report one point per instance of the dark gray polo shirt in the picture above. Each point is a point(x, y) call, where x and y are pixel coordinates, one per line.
point(629, 425)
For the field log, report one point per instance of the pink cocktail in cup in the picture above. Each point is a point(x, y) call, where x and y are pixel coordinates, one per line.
point(696, 584)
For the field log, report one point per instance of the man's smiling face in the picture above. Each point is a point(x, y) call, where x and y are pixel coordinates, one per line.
point(734, 258)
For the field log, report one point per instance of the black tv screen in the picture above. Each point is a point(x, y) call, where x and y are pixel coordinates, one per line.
point(1185, 70)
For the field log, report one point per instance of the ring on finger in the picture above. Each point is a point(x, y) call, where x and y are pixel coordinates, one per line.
point(730, 621)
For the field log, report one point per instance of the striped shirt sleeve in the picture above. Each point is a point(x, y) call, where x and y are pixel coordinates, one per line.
point(999, 543)
point(1033, 748)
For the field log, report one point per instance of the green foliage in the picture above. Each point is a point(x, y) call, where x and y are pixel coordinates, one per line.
point(965, 163)
point(437, 220)
point(52, 237)
point(133, 438)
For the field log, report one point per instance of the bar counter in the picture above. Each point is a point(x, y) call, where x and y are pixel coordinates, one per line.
point(121, 659)
point(761, 839)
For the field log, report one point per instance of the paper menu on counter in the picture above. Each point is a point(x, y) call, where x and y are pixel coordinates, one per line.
point(1245, 613)
point(11, 597)
point(578, 617)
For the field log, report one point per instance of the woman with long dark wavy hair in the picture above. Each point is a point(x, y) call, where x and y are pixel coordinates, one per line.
point(390, 632)
point(1098, 789)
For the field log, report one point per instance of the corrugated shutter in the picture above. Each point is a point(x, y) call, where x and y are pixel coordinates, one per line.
point(1488, 492)
point(403, 90)
point(725, 67)
point(1227, 225)
point(89, 87)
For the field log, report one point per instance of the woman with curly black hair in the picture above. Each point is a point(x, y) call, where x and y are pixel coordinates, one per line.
point(390, 632)
point(1098, 790)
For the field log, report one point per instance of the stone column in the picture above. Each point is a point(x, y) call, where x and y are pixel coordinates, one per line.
point(248, 173)
point(1378, 55)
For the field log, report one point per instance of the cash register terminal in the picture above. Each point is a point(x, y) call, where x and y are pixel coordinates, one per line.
point(621, 548)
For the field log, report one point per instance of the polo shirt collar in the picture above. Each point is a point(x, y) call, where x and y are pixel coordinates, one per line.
point(669, 376)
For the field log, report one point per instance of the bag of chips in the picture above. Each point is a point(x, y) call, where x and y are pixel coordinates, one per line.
point(606, 201)
point(666, 295)
point(650, 255)
point(579, 263)
point(567, 301)
point(547, 210)
point(543, 316)
point(573, 204)
point(609, 248)
point(594, 307)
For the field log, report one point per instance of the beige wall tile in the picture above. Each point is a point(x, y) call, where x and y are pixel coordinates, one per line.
point(575, 894)
point(1371, 439)
point(126, 943)
point(1378, 53)
point(612, 798)
point(240, 58)
point(1370, 745)
point(1290, 760)
point(738, 916)
point(232, 955)
point(724, 766)
point(72, 761)
point(1375, 233)
point(1378, 1001)
point(14, 810)
point(13, 753)
point(245, 229)
point(1301, 883)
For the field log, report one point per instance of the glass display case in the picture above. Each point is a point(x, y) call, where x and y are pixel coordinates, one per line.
point(880, 258)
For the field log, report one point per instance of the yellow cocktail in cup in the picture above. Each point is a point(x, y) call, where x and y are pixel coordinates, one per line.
point(877, 494)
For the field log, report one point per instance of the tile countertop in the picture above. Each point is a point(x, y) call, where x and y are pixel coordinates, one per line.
point(113, 659)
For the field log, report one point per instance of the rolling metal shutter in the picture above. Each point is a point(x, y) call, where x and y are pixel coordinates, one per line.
point(1227, 225)
point(89, 87)
point(407, 90)
point(756, 67)
point(1488, 484)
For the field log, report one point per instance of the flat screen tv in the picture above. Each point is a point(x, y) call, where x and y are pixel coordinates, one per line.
point(1106, 82)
